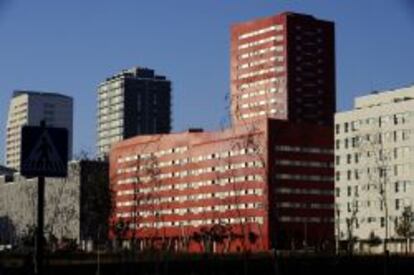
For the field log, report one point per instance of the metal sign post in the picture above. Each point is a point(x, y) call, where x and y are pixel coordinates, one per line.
point(44, 153)
point(40, 225)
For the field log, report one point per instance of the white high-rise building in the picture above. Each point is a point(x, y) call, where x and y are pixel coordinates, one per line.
point(374, 169)
point(30, 108)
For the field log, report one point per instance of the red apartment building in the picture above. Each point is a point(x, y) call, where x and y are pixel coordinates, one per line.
point(252, 187)
point(283, 67)
point(266, 182)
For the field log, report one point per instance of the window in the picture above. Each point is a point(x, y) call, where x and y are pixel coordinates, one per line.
point(346, 127)
point(355, 125)
point(396, 187)
point(338, 175)
point(356, 174)
point(354, 142)
point(405, 135)
point(382, 172)
point(349, 191)
point(397, 204)
point(337, 128)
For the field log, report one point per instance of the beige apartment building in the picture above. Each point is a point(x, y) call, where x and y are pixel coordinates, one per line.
point(374, 169)
point(30, 108)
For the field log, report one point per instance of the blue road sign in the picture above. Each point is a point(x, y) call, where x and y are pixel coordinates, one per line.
point(44, 152)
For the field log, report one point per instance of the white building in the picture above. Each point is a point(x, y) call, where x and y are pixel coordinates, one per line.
point(374, 168)
point(30, 108)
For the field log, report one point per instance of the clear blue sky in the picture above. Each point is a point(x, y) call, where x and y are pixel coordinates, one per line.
point(70, 46)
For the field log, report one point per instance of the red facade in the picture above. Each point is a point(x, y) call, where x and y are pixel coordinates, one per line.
point(265, 183)
point(283, 67)
point(248, 188)
point(301, 188)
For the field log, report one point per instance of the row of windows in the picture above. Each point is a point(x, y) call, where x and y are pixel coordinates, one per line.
point(305, 219)
point(191, 172)
point(258, 103)
point(297, 149)
point(395, 119)
point(397, 170)
point(261, 82)
point(304, 191)
point(110, 101)
point(262, 113)
point(104, 95)
point(278, 49)
point(261, 61)
point(385, 155)
point(17, 123)
point(277, 69)
point(221, 181)
point(260, 42)
point(304, 177)
point(197, 210)
point(299, 205)
point(104, 121)
point(110, 85)
point(220, 195)
point(398, 186)
point(111, 109)
point(108, 141)
point(20, 106)
point(355, 206)
point(373, 139)
point(301, 163)
point(259, 93)
point(368, 220)
point(15, 128)
point(118, 131)
point(198, 222)
point(261, 31)
point(146, 156)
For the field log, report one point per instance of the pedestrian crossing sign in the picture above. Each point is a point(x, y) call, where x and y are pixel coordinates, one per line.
point(44, 152)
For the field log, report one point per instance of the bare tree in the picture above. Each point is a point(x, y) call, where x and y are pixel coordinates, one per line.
point(146, 176)
point(153, 173)
point(351, 224)
point(404, 227)
point(377, 156)
point(120, 229)
point(63, 209)
point(247, 143)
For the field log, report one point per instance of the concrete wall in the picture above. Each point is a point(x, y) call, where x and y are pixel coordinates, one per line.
point(73, 208)
point(18, 200)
